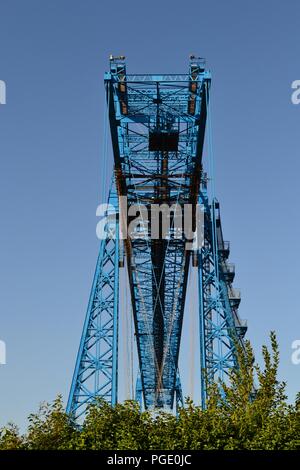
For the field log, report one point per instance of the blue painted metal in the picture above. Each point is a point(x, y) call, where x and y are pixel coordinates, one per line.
point(96, 369)
point(139, 391)
point(178, 392)
point(157, 125)
point(221, 328)
point(140, 107)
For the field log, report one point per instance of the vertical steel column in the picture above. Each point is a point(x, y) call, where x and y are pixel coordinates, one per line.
point(96, 369)
point(202, 333)
point(114, 381)
point(219, 323)
point(139, 390)
point(178, 393)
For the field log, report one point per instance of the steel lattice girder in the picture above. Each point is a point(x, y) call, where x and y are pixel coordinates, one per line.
point(147, 115)
point(144, 112)
point(96, 373)
point(221, 329)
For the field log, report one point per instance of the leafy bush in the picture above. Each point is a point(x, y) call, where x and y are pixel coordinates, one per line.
point(251, 413)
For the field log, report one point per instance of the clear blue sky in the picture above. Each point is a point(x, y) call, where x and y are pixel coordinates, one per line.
point(53, 56)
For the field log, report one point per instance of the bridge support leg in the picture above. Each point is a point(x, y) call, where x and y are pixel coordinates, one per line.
point(96, 369)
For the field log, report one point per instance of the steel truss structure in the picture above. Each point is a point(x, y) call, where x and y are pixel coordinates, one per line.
point(157, 125)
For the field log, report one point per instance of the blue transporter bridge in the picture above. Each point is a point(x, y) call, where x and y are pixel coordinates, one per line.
point(157, 125)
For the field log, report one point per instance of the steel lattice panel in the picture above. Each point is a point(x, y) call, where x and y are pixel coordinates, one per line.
point(145, 114)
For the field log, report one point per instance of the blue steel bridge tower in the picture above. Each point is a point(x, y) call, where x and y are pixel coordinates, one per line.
point(157, 125)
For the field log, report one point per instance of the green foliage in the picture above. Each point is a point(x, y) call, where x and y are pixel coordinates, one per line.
point(10, 438)
point(50, 428)
point(250, 412)
point(121, 427)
